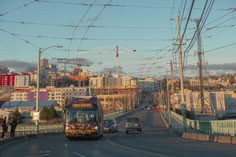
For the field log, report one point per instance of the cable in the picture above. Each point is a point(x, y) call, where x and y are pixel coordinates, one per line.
point(92, 23)
point(22, 6)
point(79, 25)
point(26, 41)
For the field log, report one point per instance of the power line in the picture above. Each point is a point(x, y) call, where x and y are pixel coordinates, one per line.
point(190, 45)
point(17, 36)
point(93, 22)
point(79, 24)
point(22, 6)
point(220, 47)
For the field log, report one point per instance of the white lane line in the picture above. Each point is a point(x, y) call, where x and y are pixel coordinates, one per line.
point(78, 154)
point(44, 154)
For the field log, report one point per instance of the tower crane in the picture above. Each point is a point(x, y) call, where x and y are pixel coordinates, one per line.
point(73, 61)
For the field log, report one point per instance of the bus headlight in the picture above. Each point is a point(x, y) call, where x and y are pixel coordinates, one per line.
point(68, 128)
point(95, 127)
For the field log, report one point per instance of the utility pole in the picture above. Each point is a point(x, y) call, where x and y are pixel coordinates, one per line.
point(180, 61)
point(117, 68)
point(199, 54)
point(172, 75)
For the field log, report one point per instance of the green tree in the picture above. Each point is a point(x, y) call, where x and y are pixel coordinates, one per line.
point(52, 113)
point(44, 114)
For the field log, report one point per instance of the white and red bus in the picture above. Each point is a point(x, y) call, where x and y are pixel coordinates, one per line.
point(83, 117)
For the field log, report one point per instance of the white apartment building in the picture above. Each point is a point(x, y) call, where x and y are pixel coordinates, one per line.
point(62, 93)
point(126, 81)
point(96, 82)
point(19, 96)
point(22, 81)
point(86, 72)
point(50, 93)
point(109, 81)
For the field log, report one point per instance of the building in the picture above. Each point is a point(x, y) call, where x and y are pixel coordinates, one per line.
point(22, 81)
point(117, 103)
point(7, 79)
point(147, 84)
point(59, 94)
point(97, 82)
point(15, 80)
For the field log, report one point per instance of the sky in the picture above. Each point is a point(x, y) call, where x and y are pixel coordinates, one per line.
point(91, 30)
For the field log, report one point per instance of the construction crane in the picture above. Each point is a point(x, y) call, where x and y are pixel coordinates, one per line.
point(76, 62)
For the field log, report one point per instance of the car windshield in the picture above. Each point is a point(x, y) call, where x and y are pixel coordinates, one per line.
point(108, 122)
point(133, 120)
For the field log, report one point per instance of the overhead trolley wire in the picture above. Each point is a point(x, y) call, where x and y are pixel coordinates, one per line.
point(22, 6)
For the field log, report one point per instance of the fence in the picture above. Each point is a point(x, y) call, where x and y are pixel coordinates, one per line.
point(30, 129)
point(220, 127)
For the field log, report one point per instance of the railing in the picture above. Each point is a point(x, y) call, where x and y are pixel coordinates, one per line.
point(30, 129)
point(220, 127)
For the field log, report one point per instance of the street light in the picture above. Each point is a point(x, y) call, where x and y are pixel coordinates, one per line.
point(38, 84)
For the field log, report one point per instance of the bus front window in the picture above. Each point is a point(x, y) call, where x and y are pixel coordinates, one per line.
point(81, 116)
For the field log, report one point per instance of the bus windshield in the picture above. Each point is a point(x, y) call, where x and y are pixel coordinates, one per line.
point(81, 116)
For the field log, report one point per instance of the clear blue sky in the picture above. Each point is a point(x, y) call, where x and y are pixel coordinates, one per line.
point(143, 25)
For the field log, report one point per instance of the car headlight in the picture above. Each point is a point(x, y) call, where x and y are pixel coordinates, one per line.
point(95, 127)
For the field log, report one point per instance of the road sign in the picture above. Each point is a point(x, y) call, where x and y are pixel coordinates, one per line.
point(35, 115)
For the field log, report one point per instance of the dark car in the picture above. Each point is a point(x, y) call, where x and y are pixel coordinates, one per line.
point(110, 125)
point(133, 124)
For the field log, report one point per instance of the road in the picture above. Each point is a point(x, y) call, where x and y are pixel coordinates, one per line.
point(156, 141)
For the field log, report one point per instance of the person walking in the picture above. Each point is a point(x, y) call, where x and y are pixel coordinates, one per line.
point(13, 126)
point(4, 126)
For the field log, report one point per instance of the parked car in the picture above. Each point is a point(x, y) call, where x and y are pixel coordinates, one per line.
point(110, 125)
point(133, 124)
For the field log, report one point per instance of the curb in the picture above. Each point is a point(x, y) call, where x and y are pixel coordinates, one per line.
point(210, 138)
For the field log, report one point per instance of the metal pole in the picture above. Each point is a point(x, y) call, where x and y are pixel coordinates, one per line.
point(38, 85)
point(37, 91)
point(167, 94)
point(180, 61)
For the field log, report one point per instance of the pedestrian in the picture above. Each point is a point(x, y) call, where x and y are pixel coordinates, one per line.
point(13, 126)
point(4, 126)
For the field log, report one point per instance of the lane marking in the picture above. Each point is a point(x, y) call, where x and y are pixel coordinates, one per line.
point(78, 154)
point(44, 154)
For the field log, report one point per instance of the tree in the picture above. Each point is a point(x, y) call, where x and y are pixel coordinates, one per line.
point(44, 114)
point(52, 113)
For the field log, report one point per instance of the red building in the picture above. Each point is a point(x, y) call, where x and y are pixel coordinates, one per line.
point(15, 80)
point(7, 79)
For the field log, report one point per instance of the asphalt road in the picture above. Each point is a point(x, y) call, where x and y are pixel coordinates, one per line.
point(156, 141)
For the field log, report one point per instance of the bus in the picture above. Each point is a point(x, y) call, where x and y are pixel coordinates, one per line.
point(83, 117)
